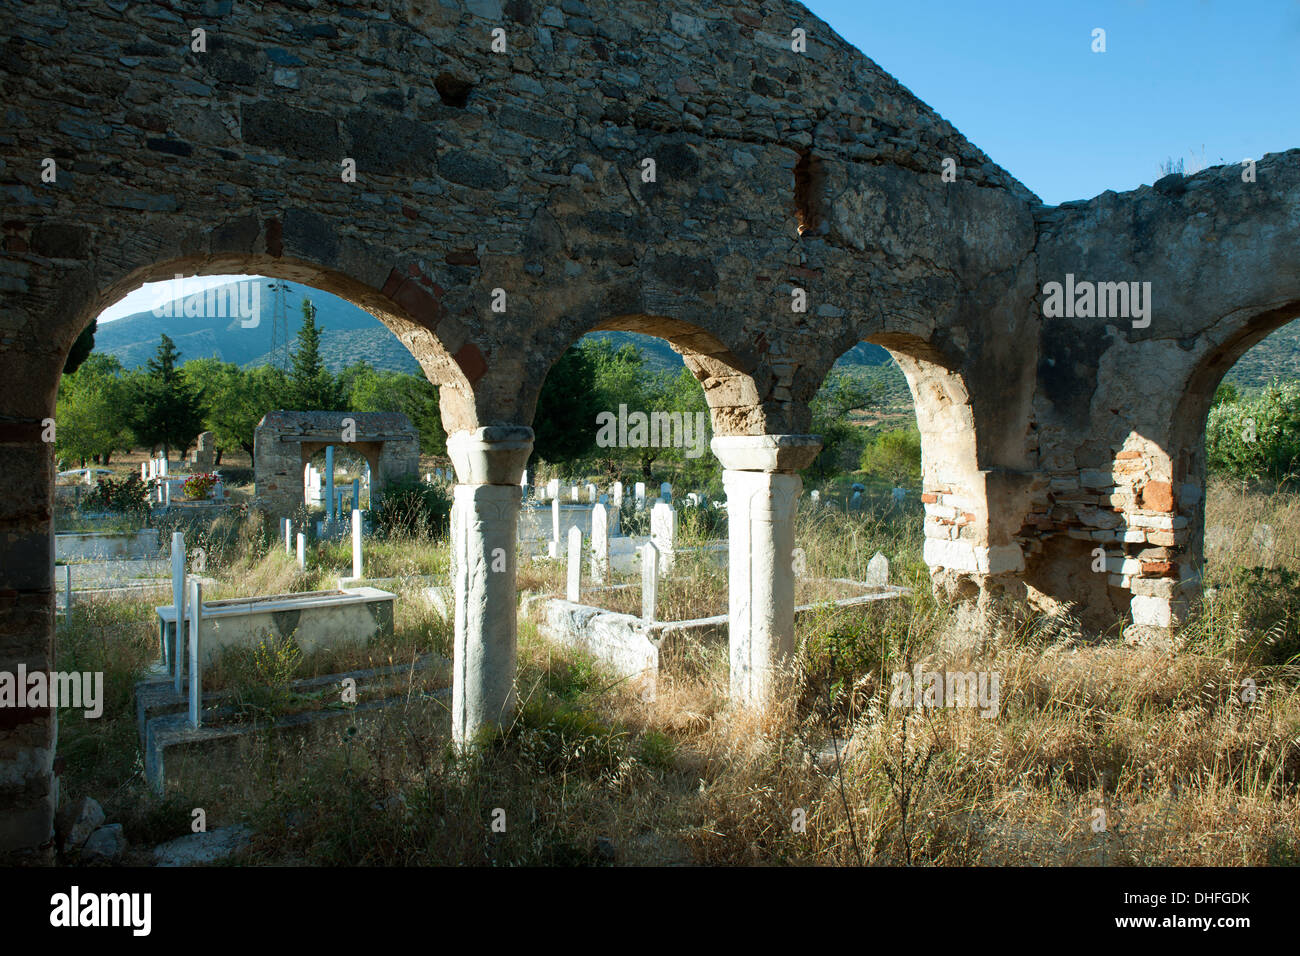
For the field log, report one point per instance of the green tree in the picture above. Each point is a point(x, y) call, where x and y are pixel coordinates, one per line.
point(1257, 437)
point(92, 411)
point(564, 424)
point(1226, 392)
point(895, 455)
point(166, 410)
point(842, 441)
point(412, 395)
point(234, 400)
point(311, 386)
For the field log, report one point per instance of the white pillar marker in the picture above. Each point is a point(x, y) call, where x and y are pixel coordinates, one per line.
point(178, 601)
point(640, 495)
point(616, 495)
point(573, 576)
point(599, 543)
point(331, 514)
point(553, 547)
point(356, 542)
point(288, 536)
point(302, 551)
point(196, 653)
point(649, 581)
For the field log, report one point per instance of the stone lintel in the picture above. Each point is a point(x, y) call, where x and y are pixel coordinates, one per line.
point(770, 453)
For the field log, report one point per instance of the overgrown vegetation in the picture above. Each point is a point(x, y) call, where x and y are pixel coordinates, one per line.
point(1188, 766)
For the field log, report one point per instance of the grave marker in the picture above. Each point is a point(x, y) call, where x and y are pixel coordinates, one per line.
point(356, 542)
point(663, 532)
point(178, 599)
point(877, 571)
point(573, 590)
point(196, 656)
point(649, 581)
point(553, 546)
point(599, 543)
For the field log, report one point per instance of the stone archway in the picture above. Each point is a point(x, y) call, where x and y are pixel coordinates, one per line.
point(284, 442)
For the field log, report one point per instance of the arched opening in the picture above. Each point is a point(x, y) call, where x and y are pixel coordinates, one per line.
point(624, 422)
point(33, 533)
point(1233, 460)
point(900, 465)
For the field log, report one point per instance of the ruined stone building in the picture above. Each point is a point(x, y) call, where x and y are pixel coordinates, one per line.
point(527, 171)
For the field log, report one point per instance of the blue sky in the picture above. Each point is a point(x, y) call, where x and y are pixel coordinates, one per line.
point(1203, 80)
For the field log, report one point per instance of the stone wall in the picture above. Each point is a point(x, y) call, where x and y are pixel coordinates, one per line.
point(500, 211)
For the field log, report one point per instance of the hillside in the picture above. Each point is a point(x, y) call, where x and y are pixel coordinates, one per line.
point(1278, 356)
point(349, 334)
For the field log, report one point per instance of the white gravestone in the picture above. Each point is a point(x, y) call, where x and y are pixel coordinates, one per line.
point(877, 571)
point(663, 532)
point(599, 542)
point(573, 579)
point(553, 546)
point(649, 581)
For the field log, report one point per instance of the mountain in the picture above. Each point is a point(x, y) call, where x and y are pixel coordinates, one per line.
point(1277, 356)
point(348, 333)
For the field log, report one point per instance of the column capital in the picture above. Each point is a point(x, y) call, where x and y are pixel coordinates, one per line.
point(769, 453)
point(492, 455)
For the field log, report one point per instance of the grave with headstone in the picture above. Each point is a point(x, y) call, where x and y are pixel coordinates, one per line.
point(663, 533)
point(204, 456)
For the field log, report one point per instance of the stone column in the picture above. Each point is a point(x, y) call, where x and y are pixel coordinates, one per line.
point(760, 475)
point(484, 528)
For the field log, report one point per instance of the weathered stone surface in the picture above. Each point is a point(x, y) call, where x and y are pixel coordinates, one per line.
point(107, 844)
point(77, 821)
point(199, 848)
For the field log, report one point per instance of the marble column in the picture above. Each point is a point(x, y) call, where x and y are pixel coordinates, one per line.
point(484, 525)
point(760, 475)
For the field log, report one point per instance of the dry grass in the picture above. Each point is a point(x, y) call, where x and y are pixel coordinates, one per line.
point(1100, 754)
